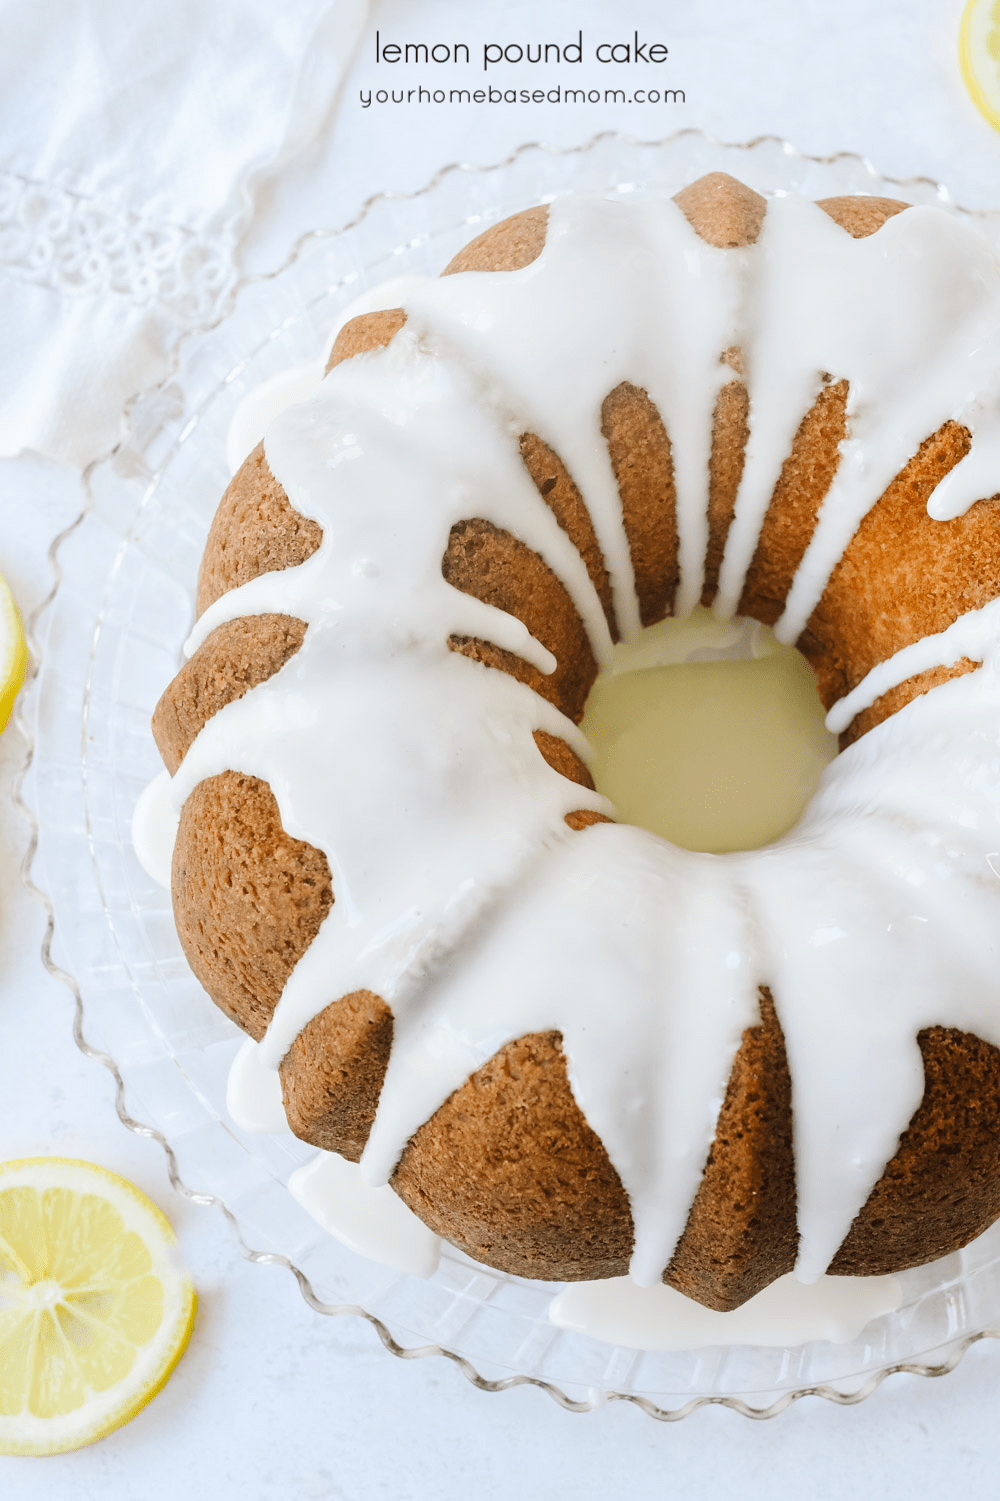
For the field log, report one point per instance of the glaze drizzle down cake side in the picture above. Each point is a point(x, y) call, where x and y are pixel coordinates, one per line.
point(573, 1048)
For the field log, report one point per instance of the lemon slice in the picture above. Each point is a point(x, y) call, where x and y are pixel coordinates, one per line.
point(979, 53)
point(95, 1308)
point(13, 652)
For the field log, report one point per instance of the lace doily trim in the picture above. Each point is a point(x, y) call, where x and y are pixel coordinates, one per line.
point(76, 245)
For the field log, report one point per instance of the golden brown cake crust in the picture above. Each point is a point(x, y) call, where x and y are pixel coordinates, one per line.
point(508, 1168)
point(556, 486)
point(903, 575)
point(248, 898)
point(331, 1076)
point(562, 758)
point(741, 1230)
point(255, 531)
point(639, 450)
point(508, 246)
point(861, 216)
point(890, 702)
point(788, 524)
point(234, 658)
point(500, 570)
point(722, 211)
point(942, 1187)
point(366, 332)
point(731, 430)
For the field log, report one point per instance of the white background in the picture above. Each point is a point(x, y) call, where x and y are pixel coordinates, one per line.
point(271, 1400)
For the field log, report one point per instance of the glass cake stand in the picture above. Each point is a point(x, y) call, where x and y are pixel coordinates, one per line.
point(108, 640)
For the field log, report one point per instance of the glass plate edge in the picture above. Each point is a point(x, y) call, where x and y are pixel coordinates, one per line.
point(26, 717)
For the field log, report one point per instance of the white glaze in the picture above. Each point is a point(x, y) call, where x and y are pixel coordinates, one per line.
point(253, 1094)
point(788, 1313)
point(260, 406)
point(968, 636)
point(674, 640)
point(376, 1224)
point(371, 1221)
point(461, 895)
point(154, 829)
point(868, 310)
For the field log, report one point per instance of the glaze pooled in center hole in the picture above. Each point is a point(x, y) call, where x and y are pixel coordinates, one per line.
point(708, 733)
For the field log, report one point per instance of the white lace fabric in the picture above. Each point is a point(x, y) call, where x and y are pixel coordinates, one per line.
point(134, 140)
point(76, 246)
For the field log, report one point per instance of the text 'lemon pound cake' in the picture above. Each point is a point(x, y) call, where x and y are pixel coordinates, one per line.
point(571, 1047)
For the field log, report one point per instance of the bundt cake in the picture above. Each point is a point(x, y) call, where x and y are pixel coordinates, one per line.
point(573, 1048)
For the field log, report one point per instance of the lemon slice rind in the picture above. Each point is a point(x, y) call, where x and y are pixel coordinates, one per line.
point(26, 1433)
point(979, 57)
point(13, 652)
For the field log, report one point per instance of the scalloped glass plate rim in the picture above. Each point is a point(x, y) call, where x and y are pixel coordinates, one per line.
point(861, 1382)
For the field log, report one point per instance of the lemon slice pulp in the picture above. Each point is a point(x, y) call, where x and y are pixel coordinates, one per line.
point(95, 1308)
point(979, 54)
point(13, 652)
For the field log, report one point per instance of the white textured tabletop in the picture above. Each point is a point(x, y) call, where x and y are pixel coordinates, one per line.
point(271, 1400)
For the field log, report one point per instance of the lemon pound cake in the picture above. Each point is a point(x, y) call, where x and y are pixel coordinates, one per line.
point(573, 1048)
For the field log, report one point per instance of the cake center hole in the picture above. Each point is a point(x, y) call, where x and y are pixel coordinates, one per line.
point(709, 733)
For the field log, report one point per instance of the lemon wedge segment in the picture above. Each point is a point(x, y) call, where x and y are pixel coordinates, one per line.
point(13, 652)
point(95, 1308)
point(979, 54)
